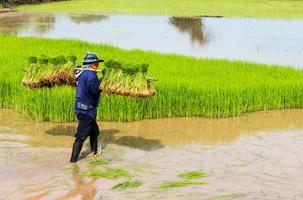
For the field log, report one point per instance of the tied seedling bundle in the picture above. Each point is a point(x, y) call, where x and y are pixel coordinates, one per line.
point(49, 71)
point(127, 80)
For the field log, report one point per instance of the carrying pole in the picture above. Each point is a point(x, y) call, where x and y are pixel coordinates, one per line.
point(87, 69)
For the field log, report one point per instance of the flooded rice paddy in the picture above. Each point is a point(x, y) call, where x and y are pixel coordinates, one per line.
point(256, 156)
point(269, 41)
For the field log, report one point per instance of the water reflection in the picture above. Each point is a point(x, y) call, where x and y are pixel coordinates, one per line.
point(85, 189)
point(13, 24)
point(44, 23)
point(192, 26)
point(87, 18)
point(16, 23)
point(264, 41)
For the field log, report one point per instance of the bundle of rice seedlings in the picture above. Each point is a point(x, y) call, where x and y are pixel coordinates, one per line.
point(127, 80)
point(49, 71)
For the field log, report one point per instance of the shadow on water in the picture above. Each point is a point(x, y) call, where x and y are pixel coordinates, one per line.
point(109, 136)
point(139, 143)
point(193, 26)
point(62, 130)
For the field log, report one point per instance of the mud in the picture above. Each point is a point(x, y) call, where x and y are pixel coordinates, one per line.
point(256, 156)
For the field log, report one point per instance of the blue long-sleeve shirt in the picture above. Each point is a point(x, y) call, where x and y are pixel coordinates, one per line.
point(87, 94)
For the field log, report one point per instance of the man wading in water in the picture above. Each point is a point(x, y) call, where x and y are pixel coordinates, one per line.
point(87, 97)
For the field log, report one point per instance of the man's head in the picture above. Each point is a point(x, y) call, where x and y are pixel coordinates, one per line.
point(95, 65)
point(91, 60)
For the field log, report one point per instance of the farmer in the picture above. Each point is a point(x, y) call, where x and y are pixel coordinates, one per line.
point(87, 97)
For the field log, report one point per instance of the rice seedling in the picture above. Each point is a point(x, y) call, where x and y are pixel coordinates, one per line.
point(127, 185)
point(111, 173)
point(179, 184)
point(48, 72)
point(187, 87)
point(192, 175)
point(126, 80)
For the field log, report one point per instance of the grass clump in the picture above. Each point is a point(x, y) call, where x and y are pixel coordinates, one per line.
point(111, 173)
point(49, 71)
point(98, 162)
point(126, 80)
point(179, 184)
point(192, 175)
point(127, 185)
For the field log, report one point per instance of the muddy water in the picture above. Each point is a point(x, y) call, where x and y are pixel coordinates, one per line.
point(263, 41)
point(256, 156)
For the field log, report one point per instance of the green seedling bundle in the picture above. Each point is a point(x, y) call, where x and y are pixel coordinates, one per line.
point(49, 71)
point(127, 80)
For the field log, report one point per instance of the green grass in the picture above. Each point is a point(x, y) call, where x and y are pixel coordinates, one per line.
point(179, 184)
point(227, 8)
point(187, 87)
point(111, 173)
point(127, 185)
point(192, 175)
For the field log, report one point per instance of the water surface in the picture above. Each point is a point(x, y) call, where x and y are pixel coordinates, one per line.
point(270, 41)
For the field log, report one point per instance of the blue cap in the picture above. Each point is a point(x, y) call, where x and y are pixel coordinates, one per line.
point(90, 58)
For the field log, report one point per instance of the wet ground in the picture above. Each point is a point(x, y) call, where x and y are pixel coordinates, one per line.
point(256, 156)
point(270, 41)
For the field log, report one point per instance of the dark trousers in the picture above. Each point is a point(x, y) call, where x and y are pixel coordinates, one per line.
point(87, 127)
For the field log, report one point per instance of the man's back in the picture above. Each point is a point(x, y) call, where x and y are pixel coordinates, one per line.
point(87, 93)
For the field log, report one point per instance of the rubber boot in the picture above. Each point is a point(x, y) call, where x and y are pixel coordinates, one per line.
point(76, 151)
point(93, 144)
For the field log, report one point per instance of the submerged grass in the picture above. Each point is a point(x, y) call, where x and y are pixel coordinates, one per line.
point(111, 173)
point(186, 86)
point(227, 8)
point(127, 185)
point(192, 175)
point(179, 184)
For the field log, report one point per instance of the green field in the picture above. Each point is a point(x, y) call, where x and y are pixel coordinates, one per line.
point(227, 8)
point(187, 86)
